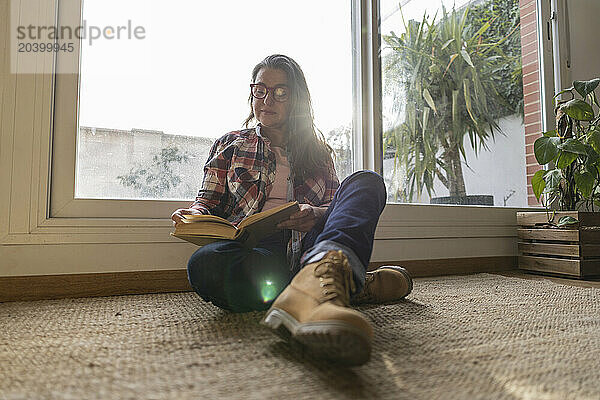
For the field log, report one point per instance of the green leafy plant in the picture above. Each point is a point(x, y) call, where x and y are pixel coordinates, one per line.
point(504, 17)
point(447, 73)
point(572, 151)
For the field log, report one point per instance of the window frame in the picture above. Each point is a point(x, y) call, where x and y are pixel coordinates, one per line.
point(546, 51)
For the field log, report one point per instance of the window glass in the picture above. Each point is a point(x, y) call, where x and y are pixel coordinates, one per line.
point(452, 102)
point(149, 108)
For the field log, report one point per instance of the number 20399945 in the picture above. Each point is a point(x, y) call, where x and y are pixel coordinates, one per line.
point(45, 47)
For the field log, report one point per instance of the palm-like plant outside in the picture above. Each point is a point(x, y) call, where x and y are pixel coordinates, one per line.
point(446, 73)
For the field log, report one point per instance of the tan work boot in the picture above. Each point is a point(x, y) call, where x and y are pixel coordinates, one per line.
point(385, 284)
point(314, 309)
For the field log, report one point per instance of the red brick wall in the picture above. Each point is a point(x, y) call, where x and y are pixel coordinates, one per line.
point(531, 88)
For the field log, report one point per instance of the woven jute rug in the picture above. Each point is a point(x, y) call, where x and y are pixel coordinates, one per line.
point(462, 337)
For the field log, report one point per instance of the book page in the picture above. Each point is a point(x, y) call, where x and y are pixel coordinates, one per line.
point(194, 218)
point(207, 228)
point(197, 240)
point(204, 229)
point(286, 210)
point(260, 225)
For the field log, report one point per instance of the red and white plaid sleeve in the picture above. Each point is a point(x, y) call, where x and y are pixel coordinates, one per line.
point(332, 183)
point(212, 198)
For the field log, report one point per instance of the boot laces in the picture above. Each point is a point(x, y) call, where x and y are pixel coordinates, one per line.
point(335, 277)
point(366, 292)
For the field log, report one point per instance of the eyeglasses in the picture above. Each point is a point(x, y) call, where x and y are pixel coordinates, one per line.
point(260, 91)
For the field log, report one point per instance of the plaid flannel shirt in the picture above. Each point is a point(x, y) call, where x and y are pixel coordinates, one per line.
point(239, 176)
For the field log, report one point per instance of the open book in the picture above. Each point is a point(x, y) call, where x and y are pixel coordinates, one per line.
point(205, 229)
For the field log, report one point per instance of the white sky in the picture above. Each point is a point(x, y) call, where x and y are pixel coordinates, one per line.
point(191, 74)
point(413, 9)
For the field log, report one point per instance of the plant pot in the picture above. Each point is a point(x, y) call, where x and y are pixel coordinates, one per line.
point(471, 200)
point(573, 251)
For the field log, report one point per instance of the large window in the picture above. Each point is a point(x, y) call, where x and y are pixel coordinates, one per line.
point(111, 108)
point(452, 101)
point(149, 108)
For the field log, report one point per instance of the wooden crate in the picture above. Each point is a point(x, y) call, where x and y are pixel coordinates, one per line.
point(572, 251)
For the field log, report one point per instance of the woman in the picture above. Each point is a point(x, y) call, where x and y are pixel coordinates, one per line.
point(307, 271)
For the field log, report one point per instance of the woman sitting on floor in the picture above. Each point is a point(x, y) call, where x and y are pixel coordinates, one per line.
point(306, 273)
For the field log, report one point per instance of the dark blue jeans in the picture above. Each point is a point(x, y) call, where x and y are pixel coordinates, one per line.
point(240, 279)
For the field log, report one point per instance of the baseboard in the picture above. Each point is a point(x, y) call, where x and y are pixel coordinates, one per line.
point(454, 266)
point(39, 287)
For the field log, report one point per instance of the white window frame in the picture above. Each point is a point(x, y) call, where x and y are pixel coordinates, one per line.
point(545, 49)
point(45, 230)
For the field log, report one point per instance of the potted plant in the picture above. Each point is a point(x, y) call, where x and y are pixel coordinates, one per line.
point(451, 79)
point(566, 238)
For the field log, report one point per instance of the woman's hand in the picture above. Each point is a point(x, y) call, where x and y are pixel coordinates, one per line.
point(303, 220)
point(178, 214)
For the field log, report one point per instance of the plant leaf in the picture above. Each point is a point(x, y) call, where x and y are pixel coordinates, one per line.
point(425, 120)
point(467, 93)
point(593, 138)
point(484, 28)
point(447, 43)
point(592, 157)
point(586, 87)
point(585, 182)
point(573, 146)
point(455, 115)
point(566, 221)
point(578, 109)
point(551, 133)
point(565, 159)
point(452, 58)
point(538, 183)
point(467, 58)
point(546, 149)
point(552, 179)
point(429, 100)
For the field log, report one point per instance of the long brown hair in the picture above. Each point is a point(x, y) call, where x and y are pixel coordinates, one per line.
point(309, 152)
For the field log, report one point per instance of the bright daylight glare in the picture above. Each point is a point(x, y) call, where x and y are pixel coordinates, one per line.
point(190, 75)
point(150, 109)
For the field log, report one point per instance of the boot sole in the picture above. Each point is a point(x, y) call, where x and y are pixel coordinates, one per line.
point(333, 340)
